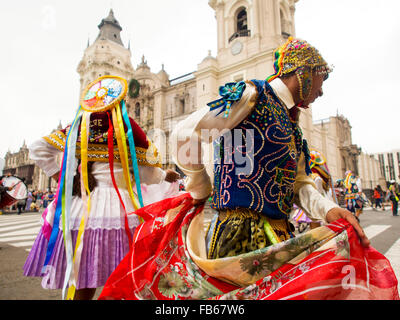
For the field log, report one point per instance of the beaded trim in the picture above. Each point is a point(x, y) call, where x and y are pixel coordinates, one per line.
point(99, 152)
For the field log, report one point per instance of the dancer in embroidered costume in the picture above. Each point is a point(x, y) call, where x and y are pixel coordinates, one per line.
point(249, 203)
point(261, 169)
point(354, 196)
point(88, 228)
point(321, 175)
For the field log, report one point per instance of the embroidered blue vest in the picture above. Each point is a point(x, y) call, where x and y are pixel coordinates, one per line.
point(259, 172)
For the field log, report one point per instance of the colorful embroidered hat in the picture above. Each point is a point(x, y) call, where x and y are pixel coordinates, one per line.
point(318, 164)
point(316, 158)
point(298, 57)
point(295, 54)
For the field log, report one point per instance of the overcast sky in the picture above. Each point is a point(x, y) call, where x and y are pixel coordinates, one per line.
point(44, 40)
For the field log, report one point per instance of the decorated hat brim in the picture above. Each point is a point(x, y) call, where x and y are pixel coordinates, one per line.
point(103, 94)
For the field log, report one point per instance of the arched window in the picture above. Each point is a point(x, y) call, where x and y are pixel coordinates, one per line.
point(241, 24)
point(137, 110)
point(241, 20)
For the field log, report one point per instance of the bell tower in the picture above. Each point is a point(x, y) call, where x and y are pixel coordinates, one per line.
point(110, 29)
point(248, 28)
point(247, 31)
point(107, 54)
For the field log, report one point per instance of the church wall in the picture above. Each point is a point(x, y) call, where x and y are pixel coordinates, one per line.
point(324, 140)
point(369, 171)
point(180, 99)
point(207, 88)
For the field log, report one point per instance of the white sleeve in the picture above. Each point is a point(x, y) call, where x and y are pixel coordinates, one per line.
point(151, 175)
point(313, 203)
point(45, 156)
point(307, 196)
point(318, 184)
point(205, 126)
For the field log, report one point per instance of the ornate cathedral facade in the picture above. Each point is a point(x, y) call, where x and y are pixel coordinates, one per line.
point(247, 33)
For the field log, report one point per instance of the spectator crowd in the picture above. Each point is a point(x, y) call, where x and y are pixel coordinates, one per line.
point(35, 201)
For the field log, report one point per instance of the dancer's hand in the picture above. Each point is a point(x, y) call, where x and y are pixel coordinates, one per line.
point(171, 175)
point(340, 213)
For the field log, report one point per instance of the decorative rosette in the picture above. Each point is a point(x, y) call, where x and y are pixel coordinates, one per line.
point(316, 158)
point(103, 94)
point(230, 93)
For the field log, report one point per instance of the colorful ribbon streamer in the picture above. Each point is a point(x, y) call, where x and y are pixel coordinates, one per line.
point(270, 233)
point(132, 151)
point(111, 162)
point(67, 198)
point(123, 151)
point(59, 196)
point(86, 200)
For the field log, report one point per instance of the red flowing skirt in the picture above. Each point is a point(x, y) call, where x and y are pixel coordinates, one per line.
point(323, 264)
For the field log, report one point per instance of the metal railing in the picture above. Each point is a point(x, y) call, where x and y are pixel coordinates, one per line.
point(241, 33)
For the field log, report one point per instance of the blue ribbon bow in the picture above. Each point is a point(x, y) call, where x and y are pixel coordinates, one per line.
point(230, 93)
